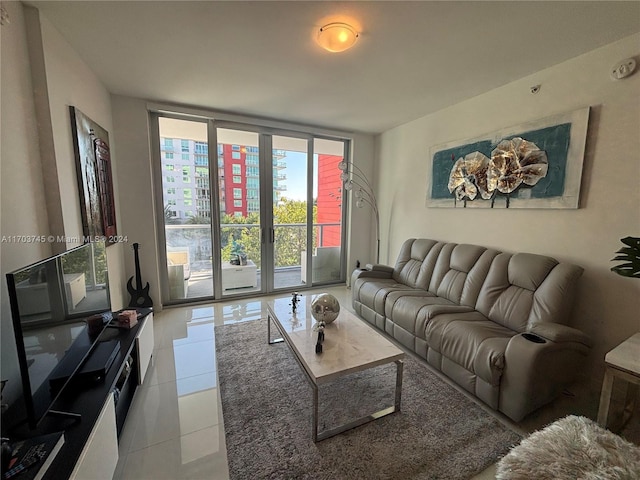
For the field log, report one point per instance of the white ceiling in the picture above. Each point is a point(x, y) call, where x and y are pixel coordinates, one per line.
point(260, 58)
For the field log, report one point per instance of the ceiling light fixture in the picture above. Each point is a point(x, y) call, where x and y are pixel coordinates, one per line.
point(337, 37)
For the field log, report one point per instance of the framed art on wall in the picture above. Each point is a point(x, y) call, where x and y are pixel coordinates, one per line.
point(95, 181)
point(536, 164)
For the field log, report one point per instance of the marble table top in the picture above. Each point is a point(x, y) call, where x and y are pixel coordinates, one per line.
point(350, 344)
point(626, 356)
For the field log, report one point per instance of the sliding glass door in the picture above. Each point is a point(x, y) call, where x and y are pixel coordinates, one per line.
point(326, 261)
point(289, 209)
point(186, 206)
point(240, 224)
point(247, 210)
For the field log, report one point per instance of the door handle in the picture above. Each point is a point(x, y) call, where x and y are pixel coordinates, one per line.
point(271, 235)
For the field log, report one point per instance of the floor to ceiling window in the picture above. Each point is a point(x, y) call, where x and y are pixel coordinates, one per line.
point(246, 210)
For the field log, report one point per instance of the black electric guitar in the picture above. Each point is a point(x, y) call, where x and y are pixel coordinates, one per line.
point(139, 295)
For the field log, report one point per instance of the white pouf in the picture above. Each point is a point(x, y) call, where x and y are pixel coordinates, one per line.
point(574, 448)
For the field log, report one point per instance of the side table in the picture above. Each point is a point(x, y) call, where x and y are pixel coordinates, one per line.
point(622, 362)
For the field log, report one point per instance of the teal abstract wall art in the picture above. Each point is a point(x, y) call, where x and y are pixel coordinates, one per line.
point(536, 164)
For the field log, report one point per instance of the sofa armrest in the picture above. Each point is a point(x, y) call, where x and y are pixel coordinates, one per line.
point(560, 333)
point(371, 274)
point(378, 267)
point(537, 369)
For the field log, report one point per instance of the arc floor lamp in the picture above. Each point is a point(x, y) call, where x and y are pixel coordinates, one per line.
point(354, 179)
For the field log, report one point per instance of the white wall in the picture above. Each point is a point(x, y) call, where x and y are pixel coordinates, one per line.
point(22, 200)
point(137, 217)
point(607, 306)
point(41, 76)
point(70, 82)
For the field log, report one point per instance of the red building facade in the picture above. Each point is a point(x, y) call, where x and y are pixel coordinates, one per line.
point(329, 201)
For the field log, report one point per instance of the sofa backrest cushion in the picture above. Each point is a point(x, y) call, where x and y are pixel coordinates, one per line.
point(524, 288)
point(416, 261)
point(553, 299)
point(460, 272)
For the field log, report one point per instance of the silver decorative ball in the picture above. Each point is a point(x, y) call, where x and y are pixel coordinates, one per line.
point(325, 308)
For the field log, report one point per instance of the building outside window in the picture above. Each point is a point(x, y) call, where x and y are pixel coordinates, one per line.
point(201, 148)
point(244, 172)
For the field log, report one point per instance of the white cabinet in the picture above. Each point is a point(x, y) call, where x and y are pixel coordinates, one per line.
point(239, 276)
point(145, 347)
point(99, 456)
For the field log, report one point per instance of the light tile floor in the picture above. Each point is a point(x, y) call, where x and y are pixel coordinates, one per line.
point(175, 427)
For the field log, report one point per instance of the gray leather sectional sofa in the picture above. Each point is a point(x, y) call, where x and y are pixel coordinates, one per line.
point(491, 321)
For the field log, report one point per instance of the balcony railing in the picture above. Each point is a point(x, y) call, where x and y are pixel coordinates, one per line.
point(290, 240)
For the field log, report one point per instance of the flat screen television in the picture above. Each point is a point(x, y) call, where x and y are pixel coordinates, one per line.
point(50, 302)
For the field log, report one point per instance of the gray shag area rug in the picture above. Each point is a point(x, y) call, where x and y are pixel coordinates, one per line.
point(572, 448)
point(267, 411)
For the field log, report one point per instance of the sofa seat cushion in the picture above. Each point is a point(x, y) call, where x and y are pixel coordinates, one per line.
point(412, 312)
point(478, 346)
point(373, 293)
point(471, 341)
point(401, 299)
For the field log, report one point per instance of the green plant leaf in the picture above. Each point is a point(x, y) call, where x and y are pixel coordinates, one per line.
point(630, 255)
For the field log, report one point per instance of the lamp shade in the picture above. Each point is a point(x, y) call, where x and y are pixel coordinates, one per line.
point(337, 37)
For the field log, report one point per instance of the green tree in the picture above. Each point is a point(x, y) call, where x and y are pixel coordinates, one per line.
point(247, 237)
point(169, 219)
point(289, 217)
point(199, 220)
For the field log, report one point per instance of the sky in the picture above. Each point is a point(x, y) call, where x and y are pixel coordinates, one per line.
point(296, 173)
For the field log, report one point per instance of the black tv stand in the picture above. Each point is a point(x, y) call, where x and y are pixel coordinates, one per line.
point(98, 409)
point(58, 414)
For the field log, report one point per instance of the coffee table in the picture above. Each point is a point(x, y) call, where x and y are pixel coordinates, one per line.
point(350, 346)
